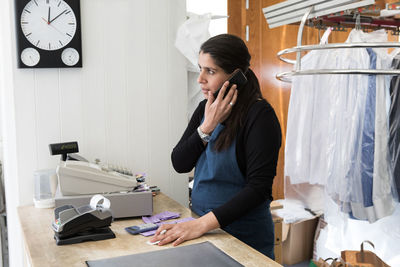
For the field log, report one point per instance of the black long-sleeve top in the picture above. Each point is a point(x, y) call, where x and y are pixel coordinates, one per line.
point(257, 148)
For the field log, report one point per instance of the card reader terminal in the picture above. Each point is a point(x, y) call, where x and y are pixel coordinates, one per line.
point(86, 223)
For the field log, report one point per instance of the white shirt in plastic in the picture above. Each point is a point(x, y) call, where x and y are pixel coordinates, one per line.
point(326, 125)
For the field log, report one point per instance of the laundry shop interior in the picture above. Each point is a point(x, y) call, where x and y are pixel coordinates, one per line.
point(89, 119)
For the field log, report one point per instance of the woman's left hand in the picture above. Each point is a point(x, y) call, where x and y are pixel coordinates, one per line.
point(180, 232)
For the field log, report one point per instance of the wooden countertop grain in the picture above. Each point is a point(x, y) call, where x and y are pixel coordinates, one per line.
point(42, 250)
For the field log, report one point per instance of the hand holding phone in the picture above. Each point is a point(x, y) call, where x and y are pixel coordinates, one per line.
point(237, 78)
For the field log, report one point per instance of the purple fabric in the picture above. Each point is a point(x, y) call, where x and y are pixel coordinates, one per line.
point(152, 232)
point(166, 215)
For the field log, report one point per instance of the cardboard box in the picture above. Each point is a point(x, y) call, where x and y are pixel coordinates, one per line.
point(278, 240)
point(298, 241)
point(320, 225)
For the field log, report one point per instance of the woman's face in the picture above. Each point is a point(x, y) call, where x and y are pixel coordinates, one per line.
point(211, 76)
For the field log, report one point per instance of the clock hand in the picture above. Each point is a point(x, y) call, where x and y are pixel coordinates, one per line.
point(57, 16)
point(52, 26)
point(48, 17)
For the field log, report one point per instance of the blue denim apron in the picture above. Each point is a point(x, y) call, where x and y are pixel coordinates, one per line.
point(217, 179)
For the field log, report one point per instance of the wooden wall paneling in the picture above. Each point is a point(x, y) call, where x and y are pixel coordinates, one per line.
point(115, 86)
point(237, 17)
point(157, 93)
point(178, 93)
point(276, 92)
point(26, 129)
point(71, 119)
point(93, 73)
point(254, 24)
point(137, 85)
point(47, 101)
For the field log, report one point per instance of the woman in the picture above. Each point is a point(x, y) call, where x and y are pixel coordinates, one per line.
point(233, 142)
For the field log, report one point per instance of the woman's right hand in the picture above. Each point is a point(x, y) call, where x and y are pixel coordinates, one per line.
point(217, 110)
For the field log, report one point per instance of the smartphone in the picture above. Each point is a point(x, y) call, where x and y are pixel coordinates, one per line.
point(141, 228)
point(237, 78)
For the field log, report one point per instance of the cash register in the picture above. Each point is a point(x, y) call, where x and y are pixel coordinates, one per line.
point(79, 180)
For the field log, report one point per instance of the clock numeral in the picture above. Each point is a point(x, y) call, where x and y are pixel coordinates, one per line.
point(35, 2)
point(61, 43)
point(68, 34)
point(26, 10)
point(24, 22)
point(47, 1)
point(67, 12)
point(37, 44)
point(49, 46)
point(59, 3)
point(28, 34)
point(71, 23)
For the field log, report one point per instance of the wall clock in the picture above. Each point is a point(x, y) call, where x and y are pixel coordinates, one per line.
point(48, 33)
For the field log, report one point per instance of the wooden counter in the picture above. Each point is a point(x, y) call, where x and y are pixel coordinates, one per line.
point(42, 250)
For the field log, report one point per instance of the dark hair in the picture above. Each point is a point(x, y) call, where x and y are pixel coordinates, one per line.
point(229, 52)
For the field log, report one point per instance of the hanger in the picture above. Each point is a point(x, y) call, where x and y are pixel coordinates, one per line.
point(358, 21)
point(286, 76)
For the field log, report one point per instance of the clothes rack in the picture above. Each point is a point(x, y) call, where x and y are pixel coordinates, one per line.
point(286, 76)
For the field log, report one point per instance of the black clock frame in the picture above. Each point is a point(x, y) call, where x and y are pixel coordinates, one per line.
point(52, 58)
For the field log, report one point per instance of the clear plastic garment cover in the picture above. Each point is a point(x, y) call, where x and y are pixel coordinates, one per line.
point(338, 126)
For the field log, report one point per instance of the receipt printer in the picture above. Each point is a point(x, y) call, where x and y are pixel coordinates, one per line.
point(87, 223)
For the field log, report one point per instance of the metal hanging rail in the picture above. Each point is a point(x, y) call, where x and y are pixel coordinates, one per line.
point(286, 76)
point(332, 46)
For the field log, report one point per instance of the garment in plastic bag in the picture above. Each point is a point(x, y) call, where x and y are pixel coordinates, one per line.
point(307, 121)
point(298, 140)
point(394, 125)
point(317, 104)
point(376, 176)
point(369, 176)
point(346, 126)
point(361, 169)
point(337, 129)
point(383, 183)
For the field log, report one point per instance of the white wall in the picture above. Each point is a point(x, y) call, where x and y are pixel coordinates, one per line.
point(126, 106)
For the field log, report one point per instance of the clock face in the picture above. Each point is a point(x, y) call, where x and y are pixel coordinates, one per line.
point(48, 24)
point(70, 56)
point(30, 56)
